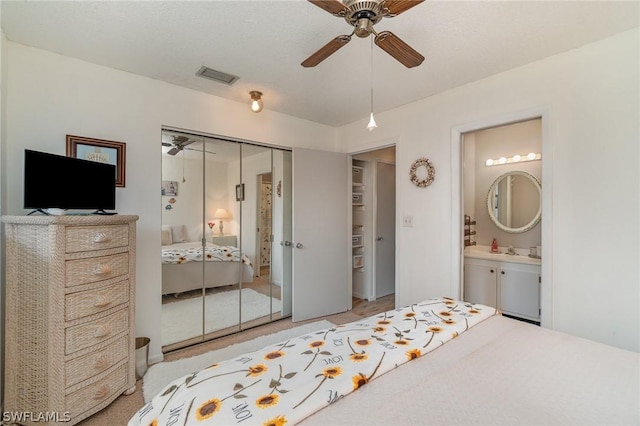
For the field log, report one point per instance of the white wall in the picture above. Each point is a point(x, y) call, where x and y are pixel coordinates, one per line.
point(49, 96)
point(591, 94)
point(187, 208)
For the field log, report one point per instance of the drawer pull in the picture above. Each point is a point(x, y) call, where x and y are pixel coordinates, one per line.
point(101, 269)
point(102, 392)
point(101, 237)
point(102, 331)
point(101, 301)
point(102, 362)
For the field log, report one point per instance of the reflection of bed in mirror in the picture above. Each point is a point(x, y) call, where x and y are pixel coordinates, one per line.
point(182, 265)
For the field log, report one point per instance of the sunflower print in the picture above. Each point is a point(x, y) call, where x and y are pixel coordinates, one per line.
point(274, 391)
point(208, 409)
point(359, 380)
point(276, 421)
point(332, 372)
point(274, 355)
point(413, 354)
point(267, 401)
point(358, 357)
point(256, 370)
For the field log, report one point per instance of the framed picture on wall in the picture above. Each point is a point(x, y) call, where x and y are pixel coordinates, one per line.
point(101, 151)
point(170, 188)
point(240, 192)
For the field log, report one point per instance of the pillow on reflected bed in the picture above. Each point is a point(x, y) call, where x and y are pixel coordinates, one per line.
point(166, 236)
point(179, 234)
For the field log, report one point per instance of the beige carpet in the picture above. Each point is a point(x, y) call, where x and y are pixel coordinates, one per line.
point(121, 410)
point(182, 320)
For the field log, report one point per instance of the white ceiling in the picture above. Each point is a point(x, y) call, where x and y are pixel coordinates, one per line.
point(264, 41)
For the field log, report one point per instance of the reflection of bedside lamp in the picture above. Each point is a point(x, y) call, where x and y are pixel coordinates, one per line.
point(221, 214)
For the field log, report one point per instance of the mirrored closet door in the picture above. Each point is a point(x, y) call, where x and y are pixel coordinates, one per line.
point(224, 219)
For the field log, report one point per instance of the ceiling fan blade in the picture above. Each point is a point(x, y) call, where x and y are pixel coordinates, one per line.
point(401, 51)
point(334, 7)
point(396, 7)
point(325, 51)
point(174, 151)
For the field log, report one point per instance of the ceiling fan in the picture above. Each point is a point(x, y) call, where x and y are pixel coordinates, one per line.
point(363, 15)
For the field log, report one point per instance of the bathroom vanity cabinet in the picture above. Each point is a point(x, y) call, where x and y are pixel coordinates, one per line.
point(512, 287)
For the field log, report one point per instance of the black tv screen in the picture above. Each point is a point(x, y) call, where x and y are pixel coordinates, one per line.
point(56, 181)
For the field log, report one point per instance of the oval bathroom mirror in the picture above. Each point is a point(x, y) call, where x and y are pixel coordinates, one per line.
point(513, 201)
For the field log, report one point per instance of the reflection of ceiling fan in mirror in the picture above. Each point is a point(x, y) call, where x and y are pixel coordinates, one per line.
point(179, 143)
point(363, 15)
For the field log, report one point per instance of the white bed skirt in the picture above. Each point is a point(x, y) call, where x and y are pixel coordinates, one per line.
point(178, 278)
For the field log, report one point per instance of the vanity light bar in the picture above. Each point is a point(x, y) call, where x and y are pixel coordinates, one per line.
point(532, 156)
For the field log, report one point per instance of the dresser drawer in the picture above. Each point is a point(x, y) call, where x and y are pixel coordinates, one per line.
point(87, 366)
point(88, 238)
point(85, 303)
point(93, 332)
point(95, 269)
point(84, 399)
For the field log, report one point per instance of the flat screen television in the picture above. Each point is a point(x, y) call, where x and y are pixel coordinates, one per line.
point(56, 181)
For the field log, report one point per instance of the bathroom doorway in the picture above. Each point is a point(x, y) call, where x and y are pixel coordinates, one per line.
point(501, 211)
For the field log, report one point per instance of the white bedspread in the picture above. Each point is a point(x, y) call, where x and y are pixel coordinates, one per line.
point(501, 372)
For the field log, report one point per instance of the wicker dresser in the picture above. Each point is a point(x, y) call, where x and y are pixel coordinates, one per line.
point(69, 306)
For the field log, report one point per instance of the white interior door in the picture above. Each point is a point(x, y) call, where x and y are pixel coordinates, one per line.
point(385, 268)
point(320, 231)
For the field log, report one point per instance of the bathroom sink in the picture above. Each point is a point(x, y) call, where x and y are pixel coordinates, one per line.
point(484, 252)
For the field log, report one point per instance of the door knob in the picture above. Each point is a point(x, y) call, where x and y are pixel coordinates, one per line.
point(299, 245)
point(285, 243)
point(379, 238)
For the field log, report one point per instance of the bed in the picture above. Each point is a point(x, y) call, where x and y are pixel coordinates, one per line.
point(439, 361)
point(182, 266)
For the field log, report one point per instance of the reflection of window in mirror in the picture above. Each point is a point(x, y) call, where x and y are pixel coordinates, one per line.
point(513, 201)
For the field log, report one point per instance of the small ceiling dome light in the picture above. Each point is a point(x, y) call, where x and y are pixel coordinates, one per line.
point(256, 101)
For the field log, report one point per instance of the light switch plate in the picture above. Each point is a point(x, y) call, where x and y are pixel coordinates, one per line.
point(407, 221)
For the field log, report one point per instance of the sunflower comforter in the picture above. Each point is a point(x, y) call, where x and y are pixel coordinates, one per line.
point(211, 253)
point(287, 382)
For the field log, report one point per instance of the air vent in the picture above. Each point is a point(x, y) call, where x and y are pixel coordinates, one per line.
point(219, 76)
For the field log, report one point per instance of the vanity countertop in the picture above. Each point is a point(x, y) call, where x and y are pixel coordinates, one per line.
point(484, 252)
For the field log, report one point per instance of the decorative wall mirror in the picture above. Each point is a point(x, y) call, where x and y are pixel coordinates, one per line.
point(514, 201)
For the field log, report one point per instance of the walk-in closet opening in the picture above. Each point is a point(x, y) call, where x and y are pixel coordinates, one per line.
point(373, 222)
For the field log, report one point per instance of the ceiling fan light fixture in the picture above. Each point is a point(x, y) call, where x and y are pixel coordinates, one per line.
point(256, 101)
point(372, 123)
point(363, 28)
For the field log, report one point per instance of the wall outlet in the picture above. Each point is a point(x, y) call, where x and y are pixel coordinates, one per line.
point(407, 221)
